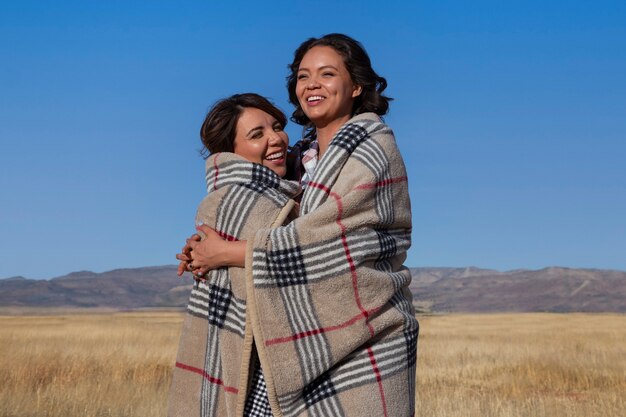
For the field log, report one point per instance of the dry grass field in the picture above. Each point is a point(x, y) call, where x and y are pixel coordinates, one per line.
point(522, 365)
point(119, 364)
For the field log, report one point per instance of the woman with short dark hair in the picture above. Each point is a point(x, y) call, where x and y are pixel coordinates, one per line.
point(246, 148)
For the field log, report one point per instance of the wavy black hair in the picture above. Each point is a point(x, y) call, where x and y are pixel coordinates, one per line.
point(359, 66)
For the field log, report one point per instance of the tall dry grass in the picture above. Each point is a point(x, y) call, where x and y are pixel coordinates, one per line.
point(87, 365)
point(468, 365)
point(518, 365)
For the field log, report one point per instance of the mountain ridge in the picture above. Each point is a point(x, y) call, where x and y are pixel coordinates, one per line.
point(435, 289)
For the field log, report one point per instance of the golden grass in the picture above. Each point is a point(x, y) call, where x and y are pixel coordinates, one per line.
point(87, 365)
point(522, 365)
point(468, 365)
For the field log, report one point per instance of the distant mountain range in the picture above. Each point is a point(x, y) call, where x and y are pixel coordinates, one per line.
point(551, 289)
point(469, 289)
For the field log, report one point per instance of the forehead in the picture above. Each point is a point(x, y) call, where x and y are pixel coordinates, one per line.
point(252, 117)
point(319, 56)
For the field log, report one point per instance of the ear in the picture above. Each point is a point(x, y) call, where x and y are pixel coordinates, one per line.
point(357, 91)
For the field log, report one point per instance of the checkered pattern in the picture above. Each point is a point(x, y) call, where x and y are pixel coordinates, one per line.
point(257, 404)
point(211, 372)
point(287, 266)
point(219, 299)
point(350, 136)
point(388, 245)
point(332, 303)
point(262, 175)
point(218, 306)
point(223, 169)
point(325, 259)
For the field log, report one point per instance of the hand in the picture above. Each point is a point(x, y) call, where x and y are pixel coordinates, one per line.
point(205, 254)
point(214, 252)
point(185, 256)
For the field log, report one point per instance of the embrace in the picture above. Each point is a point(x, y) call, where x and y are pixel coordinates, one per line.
point(300, 305)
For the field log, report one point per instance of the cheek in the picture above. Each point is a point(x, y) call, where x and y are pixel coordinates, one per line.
point(252, 151)
point(299, 92)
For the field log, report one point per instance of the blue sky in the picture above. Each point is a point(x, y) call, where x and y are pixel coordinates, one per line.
point(511, 117)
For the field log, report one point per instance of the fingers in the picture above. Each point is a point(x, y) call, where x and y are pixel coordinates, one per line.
point(182, 267)
point(204, 229)
point(192, 245)
point(195, 237)
point(192, 239)
point(184, 257)
point(200, 272)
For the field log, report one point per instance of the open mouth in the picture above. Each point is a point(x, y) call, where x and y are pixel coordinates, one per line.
point(314, 99)
point(275, 156)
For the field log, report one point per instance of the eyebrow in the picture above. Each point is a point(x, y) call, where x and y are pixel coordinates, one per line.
point(320, 68)
point(253, 130)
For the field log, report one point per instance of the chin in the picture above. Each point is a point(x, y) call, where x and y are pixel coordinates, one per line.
point(281, 172)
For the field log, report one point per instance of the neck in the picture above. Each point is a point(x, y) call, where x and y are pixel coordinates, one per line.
point(325, 133)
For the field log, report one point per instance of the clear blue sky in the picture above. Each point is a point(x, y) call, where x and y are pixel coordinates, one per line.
point(511, 116)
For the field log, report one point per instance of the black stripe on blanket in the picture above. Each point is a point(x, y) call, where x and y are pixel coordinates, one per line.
point(198, 306)
point(354, 371)
point(325, 258)
point(263, 175)
point(349, 137)
point(215, 305)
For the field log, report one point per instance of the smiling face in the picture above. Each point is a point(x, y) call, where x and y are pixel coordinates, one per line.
point(260, 138)
point(324, 87)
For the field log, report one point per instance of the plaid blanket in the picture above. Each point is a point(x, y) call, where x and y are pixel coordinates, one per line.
point(212, 366)
point(328, 296)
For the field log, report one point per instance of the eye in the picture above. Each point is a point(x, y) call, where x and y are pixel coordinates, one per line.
point(278, 127)
point(257, 135)
point(301, 76)
point(328, 74)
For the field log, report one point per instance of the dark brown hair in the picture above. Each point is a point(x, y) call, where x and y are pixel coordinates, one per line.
point(359, 67)
point(219, 128)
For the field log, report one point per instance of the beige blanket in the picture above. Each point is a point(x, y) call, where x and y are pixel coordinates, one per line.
point(328, 295)
point(212, 366)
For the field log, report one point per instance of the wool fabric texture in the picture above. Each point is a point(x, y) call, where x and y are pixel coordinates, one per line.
point(328, 295)
point(325, 298)
point(211, 375)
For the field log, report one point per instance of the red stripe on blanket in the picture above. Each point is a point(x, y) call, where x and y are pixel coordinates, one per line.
point(320, 186)
point(208, 377)
point(355, 286)
point(370, 352)
point(320, 330)
point(380, 183)
point(346, 249)
point(226, 236)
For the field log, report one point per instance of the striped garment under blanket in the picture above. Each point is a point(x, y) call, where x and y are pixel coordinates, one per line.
point(211, 373)
point(328, 295)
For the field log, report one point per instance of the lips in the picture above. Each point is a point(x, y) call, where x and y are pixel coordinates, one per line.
point(312, 100)
point(275, 156)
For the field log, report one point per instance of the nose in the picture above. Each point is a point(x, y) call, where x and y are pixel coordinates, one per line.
point(274, 138)
point(313, 83)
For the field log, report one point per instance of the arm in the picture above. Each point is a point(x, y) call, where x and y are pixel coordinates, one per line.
point(213, 252)
point(229, 188)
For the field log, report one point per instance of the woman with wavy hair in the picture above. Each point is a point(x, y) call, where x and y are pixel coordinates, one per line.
point(328, 301)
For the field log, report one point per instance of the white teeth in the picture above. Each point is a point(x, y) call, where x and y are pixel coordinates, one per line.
point(314, 98)
point(273, 156)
